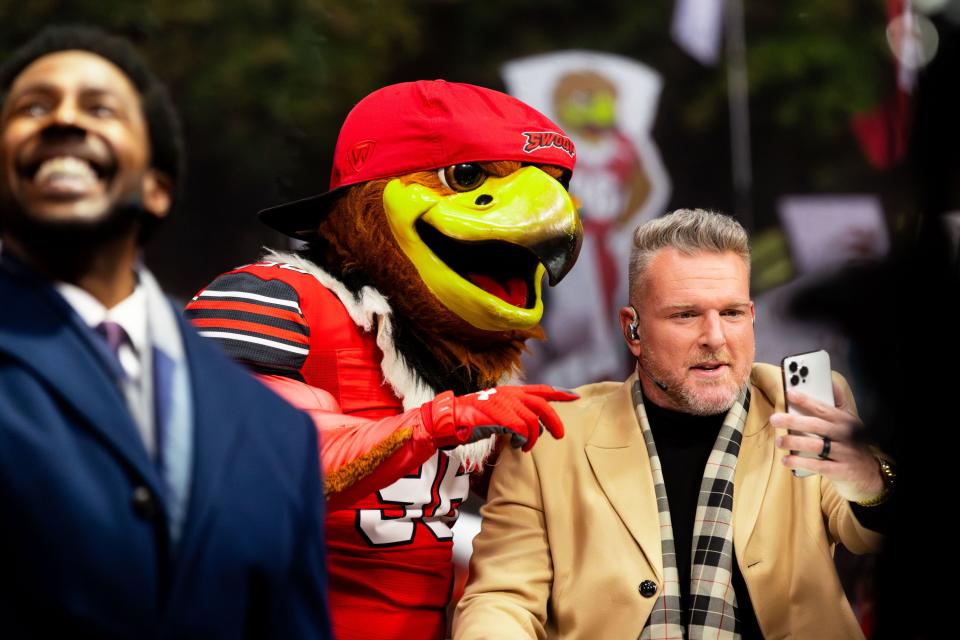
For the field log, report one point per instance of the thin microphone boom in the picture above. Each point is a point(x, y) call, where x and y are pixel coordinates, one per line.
point(662, 385)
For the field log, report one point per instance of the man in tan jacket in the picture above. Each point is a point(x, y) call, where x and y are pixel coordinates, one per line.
point(670, 509)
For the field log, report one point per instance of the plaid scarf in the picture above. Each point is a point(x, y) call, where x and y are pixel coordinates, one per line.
point(713, 603)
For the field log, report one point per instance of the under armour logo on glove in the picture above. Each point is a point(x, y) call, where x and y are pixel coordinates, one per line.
point(521, 412)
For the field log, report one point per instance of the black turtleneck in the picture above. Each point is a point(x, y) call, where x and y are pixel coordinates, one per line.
point(684, 443)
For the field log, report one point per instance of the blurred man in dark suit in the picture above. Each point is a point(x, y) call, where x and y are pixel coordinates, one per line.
point(148, 487)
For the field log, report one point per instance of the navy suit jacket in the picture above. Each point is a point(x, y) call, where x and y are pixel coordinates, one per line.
point(84, 542)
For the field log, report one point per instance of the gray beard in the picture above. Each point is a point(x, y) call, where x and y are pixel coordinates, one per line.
point(685, 400)
point(700, 407)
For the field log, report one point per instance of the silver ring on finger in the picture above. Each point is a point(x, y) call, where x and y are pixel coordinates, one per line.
point(825, 451)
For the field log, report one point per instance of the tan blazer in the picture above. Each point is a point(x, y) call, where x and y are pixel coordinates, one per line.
point(571, 530)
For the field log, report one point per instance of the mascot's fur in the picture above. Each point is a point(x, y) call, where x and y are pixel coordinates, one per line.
point(370, 311)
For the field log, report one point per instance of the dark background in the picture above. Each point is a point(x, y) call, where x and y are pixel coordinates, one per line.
point(263, 87)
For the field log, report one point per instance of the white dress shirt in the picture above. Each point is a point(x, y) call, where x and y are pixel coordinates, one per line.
point(134, 353)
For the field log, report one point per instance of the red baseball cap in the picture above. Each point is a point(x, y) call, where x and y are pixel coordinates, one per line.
point(423, 125)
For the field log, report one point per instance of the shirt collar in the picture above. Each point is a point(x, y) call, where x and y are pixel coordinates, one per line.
point(130, 313)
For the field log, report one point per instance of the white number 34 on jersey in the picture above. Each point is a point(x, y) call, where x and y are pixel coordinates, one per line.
point(431, 497)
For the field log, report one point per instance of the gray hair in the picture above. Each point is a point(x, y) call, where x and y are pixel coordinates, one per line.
point(689, 231)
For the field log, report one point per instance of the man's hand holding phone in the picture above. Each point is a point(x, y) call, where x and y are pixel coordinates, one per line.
point(842, 455)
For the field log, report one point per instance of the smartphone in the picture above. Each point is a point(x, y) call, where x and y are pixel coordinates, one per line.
point(807, 373)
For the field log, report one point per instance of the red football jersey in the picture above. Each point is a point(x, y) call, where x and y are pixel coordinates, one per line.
point(390, 553)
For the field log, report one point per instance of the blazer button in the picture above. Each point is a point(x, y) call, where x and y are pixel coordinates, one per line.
point(143, 503)
point(648, 588)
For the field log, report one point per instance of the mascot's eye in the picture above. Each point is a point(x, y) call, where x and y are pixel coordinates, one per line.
point(462, 177)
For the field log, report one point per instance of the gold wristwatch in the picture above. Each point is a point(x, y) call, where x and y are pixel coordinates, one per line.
point(889, 475)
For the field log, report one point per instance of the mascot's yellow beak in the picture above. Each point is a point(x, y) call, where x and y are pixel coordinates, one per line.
point(483, 253)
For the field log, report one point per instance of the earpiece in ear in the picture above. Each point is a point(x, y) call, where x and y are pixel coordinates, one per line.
point(632, 327)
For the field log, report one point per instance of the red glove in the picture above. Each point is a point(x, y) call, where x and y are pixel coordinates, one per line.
point(522, 412)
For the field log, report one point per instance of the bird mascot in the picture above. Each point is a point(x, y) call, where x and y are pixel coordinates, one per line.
point(398, 324)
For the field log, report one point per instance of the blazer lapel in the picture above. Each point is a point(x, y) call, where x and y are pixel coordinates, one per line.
point(216, 431)
point(163, 372)
point(173, 416)
point(41, 331)
point(754, 465)
point(618, 457)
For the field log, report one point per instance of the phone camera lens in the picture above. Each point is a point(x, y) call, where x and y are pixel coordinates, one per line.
point(793, 367)
point(804, 371)
point(794, 380)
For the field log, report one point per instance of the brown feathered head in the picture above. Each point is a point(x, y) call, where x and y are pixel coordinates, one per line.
point(451, 200)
